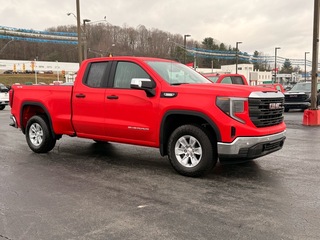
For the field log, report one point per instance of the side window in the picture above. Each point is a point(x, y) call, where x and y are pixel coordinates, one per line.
point(95, 74)
point(125, 72)
point(237, 80)
point(226, 80)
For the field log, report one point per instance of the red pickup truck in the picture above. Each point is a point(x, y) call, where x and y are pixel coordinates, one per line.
point(227, 78)
point(157, 103)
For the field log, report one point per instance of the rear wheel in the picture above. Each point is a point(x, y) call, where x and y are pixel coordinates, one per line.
point(2, 107)
point(38, 135)
point(190, 151)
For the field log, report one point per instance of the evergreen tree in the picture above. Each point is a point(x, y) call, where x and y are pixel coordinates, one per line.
point(286, 67)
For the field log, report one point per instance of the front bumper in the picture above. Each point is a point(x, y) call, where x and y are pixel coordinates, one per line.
point(14, 122)
point(251, 147)
point(297, 105)
point(4, 102)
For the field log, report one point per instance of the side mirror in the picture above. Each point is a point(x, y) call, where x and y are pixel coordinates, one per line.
point(145, 84)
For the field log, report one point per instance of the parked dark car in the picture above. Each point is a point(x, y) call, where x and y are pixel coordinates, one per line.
point(299, 97)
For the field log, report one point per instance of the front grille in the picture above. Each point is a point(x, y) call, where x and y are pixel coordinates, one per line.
point(265, 112)
point(296, 97)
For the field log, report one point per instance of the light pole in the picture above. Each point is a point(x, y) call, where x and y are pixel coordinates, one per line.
point(70, 13)
point(185, 46)
point(35, 70)
point(1, 50)
point(275, 63)
point(237, 50)
point(57, 70)
point(85, 43)
point(305, 66)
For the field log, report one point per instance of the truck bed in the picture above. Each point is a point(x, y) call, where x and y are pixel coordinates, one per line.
point(55, 98)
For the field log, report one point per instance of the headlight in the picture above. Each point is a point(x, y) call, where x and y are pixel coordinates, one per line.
point(233, 107)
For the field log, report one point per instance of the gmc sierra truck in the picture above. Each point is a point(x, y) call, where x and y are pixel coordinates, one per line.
point(157, 103)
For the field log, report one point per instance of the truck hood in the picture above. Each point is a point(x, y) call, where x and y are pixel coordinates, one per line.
point(221, 89)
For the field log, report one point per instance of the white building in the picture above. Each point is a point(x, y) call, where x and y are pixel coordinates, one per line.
point(257, 77)
point(39, 66)
point(253, 77)
point(243, 69)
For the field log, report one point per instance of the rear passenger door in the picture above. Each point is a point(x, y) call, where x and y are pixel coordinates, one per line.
point(88, 100)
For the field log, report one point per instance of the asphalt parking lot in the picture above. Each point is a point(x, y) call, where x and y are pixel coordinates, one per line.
point(85, 190)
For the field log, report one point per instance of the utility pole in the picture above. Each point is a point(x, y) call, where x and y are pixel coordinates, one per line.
point(311, 116)
point(80, 57)
point(315, 52)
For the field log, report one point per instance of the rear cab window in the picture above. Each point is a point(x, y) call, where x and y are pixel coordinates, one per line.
point(97, 74)
point(237, 80)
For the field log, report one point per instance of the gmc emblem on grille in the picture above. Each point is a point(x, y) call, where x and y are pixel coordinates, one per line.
point(275, 105)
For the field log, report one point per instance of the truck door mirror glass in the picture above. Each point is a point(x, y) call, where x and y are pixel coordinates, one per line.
point(144, 84)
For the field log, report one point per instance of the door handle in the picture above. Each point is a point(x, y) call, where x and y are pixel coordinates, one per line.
point(80, 95)
point(112, 97)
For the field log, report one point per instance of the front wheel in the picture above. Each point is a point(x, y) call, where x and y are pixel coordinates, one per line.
point(38, 135)
point(2, 107)
point(190, 151)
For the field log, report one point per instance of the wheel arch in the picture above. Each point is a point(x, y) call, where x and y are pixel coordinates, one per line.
point(175, 118)
point(30, 109)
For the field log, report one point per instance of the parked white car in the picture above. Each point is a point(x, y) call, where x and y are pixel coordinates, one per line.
point(4, 96)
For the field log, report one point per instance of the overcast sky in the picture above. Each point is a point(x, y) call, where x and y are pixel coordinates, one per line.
point(260, 24)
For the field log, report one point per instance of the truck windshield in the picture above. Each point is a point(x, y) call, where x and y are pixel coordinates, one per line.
point(176, 73)
point(301, 87)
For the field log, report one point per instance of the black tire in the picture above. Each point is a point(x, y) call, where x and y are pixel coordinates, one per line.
point(190, 151)
point(2, 107)
point(286, 109)
point(38, 135)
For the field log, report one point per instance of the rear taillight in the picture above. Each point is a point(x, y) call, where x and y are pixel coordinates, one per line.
point(11, 97)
